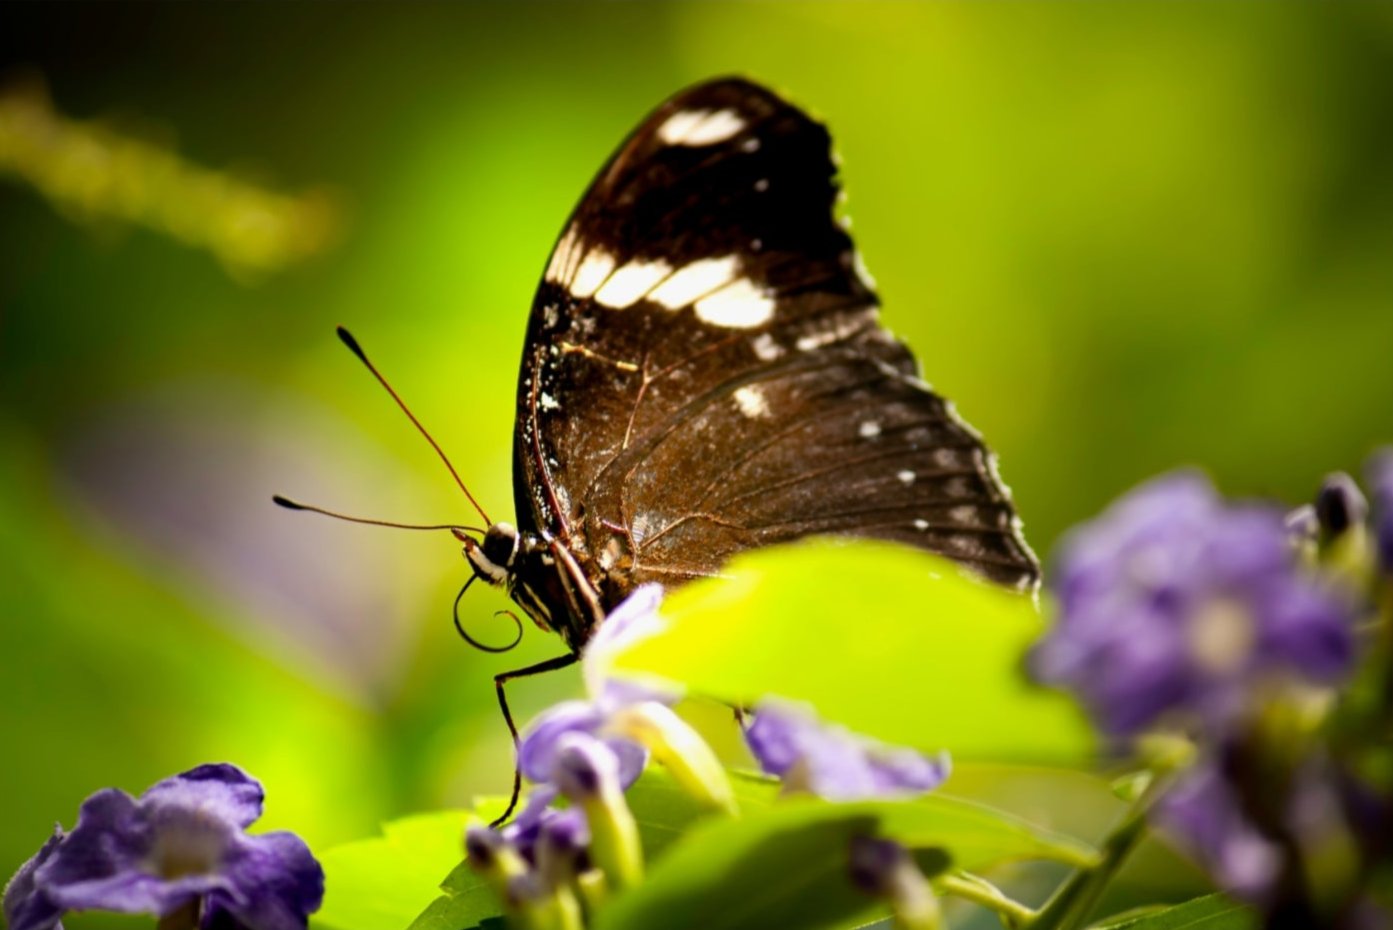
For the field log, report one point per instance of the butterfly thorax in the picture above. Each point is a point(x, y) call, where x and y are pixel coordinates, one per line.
point(542, 577)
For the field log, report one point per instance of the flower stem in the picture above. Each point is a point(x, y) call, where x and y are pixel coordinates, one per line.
point(980, 891)
point(1075, 899)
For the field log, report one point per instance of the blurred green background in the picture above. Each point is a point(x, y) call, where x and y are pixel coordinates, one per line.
point(1121, 237)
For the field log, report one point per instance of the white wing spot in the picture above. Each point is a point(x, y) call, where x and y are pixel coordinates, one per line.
point(630, 283)
point(594, 269)
point(700, 127)
point(693, 281)
point(766, 348)
point(561, 256)
point(761, 185)
point(547, 402)
point(750, 145)
point(906, 476)
point(869, 429)
point(921, 525)
point(738, 305)
point(751, 401)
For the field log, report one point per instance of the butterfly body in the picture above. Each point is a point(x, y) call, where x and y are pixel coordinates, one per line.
point(704, 372)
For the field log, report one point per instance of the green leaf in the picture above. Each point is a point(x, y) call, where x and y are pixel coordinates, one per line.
point(665, 811)
point(468, 902)
point(888, 640)
point(384, 882)
point(786, 864)
point(1213, 912)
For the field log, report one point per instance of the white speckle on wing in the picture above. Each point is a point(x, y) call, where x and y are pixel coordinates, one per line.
point(906, 476)
point(965, 513)
point(547, 402)
point(751, 401)
point(750, 145)
point(921, 525)
point(761, 185)
point(691, 282)
point(631, 283)
point(593, 270)
point(767, 349)
point(700, 127)
point(738, 305)
point(817, 340)
point(869, 429)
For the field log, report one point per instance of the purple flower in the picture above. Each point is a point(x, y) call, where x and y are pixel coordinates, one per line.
point(180, 847)
point(834, 763)
point(1380, 475)
point(1174, 601)
point(1285, 833)
point(537, 753)
point(1203, 815)
point(540, 818)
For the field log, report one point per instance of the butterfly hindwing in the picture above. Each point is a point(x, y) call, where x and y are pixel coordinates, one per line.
point(704, 369)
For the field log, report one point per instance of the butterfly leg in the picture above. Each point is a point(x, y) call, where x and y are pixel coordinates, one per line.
point(499, 681)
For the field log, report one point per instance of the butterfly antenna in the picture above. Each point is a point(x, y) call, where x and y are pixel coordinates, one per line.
point(347, 338)
point(289, 504)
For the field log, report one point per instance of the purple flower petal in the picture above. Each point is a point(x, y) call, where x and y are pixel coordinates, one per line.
point(26, 906)
point(1202, 814)
point(585, 768)
point(635, 618)
point(538, 745)
point(101, 863)
point(1380, 473)
point(1173, 602)
point(220, 788)
point(789, 741)
point(181, 843)
point(287, 882)
point(628, 620)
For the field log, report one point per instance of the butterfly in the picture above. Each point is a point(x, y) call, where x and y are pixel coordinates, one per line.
point(704, 372)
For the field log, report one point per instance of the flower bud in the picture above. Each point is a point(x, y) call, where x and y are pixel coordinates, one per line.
point(1345, 544)
point(587, 772)
point(561, 847)
point(493, 857)
point(1340, 505)
point(885, 869)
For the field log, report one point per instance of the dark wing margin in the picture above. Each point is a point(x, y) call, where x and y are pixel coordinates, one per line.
point(704, 370)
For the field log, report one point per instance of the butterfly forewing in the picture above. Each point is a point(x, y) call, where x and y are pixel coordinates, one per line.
point(704, 371)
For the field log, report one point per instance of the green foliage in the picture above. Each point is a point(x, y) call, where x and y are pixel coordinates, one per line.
point(1213, 912)
point(385, 882)
point(783, 862)
point(786, 865)
point(884, 639)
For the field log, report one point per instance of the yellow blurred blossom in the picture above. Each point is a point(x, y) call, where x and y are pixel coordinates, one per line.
point(90, 171)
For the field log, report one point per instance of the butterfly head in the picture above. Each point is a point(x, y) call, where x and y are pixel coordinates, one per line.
point(492, 558)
